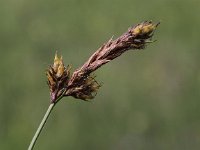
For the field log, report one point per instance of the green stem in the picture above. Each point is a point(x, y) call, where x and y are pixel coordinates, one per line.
point(33, 141)
point(37, 133)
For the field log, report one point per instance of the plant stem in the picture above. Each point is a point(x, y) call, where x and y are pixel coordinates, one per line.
point(33, 141)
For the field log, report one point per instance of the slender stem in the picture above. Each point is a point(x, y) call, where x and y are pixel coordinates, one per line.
point(48, 112)
point(33, 141)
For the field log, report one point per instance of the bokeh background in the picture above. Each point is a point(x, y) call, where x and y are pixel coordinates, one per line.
point(150, 99)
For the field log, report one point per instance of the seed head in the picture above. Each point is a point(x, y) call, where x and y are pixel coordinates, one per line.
point(58, 77)
point(86, 89)
point(145, 28)
point(81, 84)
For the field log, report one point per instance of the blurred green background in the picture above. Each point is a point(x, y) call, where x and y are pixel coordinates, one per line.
point(150, 99)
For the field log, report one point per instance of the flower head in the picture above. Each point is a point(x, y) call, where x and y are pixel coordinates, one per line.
point(145, 28)
point(82, 85)
point(141, 34)
point(86, 89)
point(58, 77)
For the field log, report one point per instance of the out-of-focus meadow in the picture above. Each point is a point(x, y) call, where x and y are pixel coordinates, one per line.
point(150, 99)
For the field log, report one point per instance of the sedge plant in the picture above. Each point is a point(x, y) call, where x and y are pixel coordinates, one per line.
point(81, 84)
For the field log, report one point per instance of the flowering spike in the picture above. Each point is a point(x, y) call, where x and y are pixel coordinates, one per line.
point(82, 84)
point(58, 77)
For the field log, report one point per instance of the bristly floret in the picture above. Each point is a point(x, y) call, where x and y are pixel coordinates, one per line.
point(141, 34)
point(58, 76)
point(86, 89)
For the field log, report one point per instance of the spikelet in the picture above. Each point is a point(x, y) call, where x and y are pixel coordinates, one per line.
point(57, 78)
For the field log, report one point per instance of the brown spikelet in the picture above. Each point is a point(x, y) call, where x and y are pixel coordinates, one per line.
point(85, 90)
point(58, 77)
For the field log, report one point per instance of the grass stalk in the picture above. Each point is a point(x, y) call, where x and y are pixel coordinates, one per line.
point(39, 129)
